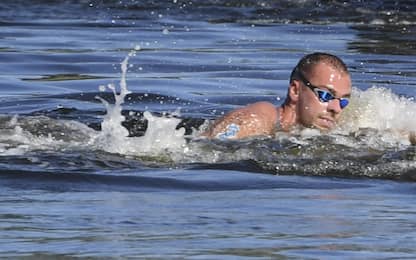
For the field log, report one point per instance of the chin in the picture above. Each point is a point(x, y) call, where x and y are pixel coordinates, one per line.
point(323, 128)
point(325, 125)
point(321, 124)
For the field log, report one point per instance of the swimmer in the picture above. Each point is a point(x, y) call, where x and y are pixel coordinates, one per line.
point(319, 89)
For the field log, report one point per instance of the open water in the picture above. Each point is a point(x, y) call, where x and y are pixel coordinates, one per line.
point(101, 103)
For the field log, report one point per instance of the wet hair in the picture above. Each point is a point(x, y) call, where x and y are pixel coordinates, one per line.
point(309, 61)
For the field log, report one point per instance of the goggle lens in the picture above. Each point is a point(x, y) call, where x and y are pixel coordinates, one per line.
point(325, 96)
point(343, 102)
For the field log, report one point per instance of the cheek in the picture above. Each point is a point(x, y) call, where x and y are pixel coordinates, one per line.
point(310, 107)
point(309, 112)
point(306, 111)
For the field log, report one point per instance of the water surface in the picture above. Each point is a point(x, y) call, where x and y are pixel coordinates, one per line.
point(81, 178)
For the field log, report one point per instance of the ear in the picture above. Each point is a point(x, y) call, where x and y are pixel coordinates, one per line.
point(294, 89)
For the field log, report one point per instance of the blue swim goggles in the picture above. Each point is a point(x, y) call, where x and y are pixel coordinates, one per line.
point(323, 96)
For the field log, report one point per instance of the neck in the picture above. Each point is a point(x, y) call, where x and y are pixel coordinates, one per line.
point(287, 114)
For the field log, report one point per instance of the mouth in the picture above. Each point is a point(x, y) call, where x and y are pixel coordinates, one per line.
point(326, 123)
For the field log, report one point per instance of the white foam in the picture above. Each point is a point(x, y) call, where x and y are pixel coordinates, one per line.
point(389, 117)
point(22, 135)
point(392, 117)
point(161, 135)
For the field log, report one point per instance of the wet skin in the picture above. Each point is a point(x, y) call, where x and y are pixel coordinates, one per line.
point(310, 111)
point(303, 108)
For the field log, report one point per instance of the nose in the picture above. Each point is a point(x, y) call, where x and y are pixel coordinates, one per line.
point(334, 106)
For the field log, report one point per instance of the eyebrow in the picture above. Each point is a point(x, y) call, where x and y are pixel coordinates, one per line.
point(330, 89)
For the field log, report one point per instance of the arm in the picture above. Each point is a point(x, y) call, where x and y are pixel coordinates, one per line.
point(253, 120)
point(412, 137)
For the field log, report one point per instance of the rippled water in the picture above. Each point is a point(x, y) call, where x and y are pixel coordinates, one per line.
point(87, 173)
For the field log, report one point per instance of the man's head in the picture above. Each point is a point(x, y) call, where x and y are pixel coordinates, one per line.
point(319, 87)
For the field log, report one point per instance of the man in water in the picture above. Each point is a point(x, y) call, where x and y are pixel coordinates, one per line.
point(319, 89)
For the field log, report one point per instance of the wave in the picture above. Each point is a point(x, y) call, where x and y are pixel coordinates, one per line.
point(372, 140)
point(63, 145)
point(208, 180)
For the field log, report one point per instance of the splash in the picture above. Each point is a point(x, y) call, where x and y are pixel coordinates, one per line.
point(388, 118)
point(371, 140)
point(161, 137)
point(161, 142)
point(20, 135)
point(373, 128)
point(112, 132)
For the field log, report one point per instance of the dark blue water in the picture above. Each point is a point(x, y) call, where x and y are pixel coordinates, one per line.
point(72, 186)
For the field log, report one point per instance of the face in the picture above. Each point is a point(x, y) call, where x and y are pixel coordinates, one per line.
point(311, 112)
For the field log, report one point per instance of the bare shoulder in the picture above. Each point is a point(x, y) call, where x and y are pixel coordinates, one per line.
point(263, 108)
point(253, 120)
